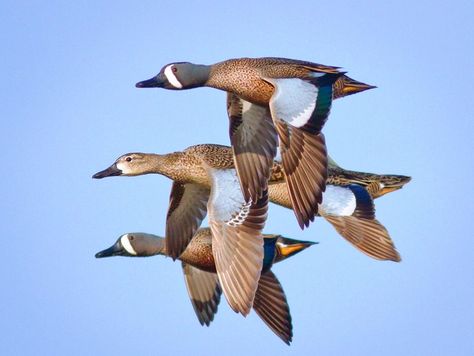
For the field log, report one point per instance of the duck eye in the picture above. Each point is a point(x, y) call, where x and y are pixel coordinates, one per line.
point(131, 237)
point(174, 69)
point(128, 159)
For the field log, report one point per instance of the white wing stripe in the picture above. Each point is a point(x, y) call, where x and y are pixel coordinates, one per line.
point(293, 101)
point(339, 201)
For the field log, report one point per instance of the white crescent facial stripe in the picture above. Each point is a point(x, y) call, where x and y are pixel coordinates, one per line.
point(172, 78)
point(127, 245)
point(338, 201)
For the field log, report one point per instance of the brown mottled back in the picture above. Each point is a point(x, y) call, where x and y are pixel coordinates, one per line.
point(376, 184)
point(243, 76)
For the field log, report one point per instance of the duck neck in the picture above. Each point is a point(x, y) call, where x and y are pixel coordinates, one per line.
point(147, 245)
point(201, 74)
point(167, 165)
point(157, 247)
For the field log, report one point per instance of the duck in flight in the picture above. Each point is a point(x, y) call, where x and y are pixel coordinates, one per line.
point(347, 203)
point(201, 280)
point(235, 223)
point(272, 102)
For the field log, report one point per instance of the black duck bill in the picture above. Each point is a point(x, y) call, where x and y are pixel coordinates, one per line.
point(156, 82)
point(109, 172)
point(114, 250)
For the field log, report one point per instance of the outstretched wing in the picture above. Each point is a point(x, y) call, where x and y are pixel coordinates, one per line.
point(299, 109)
point(305, 165)
point(254, 142)
point(350, 209)
point(237, 242)
point(187, 209)
point(271, 306)
point(368, 236)
point(204, 291)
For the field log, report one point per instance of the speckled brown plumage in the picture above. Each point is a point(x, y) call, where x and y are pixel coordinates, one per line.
point(202, 282)
point(199, 251)
point(304, 156)
point(188, 167)
point(261, 99)
point(278, 194)
point(242, 76)
point(376, 184)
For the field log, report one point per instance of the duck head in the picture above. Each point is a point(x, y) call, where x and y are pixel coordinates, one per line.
point(135, 244)
point(176, 76)
point(130, 164)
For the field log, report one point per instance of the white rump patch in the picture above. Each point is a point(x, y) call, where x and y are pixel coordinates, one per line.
point(172, 78)
point(293, 101)
point(338, 201)
point(127, 245)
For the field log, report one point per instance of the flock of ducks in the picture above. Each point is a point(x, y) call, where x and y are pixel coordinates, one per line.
point(277, 108)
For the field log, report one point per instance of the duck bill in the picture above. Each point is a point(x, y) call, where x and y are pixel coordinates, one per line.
point(115, 250)
point(109, 172)
point(155, 82)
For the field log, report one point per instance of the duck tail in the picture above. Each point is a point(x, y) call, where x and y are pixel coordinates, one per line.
point(332, 163)
point(392, 182)
point(286, 247)
point(351, 86)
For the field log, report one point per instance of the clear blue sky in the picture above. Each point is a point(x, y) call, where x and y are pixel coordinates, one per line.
point(69, 108)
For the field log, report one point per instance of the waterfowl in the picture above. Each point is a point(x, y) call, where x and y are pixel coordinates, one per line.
point(202, 283)
point(351, 211)
point(347, 207)
point(271, 102)
point(205, 182)
point(376, 184)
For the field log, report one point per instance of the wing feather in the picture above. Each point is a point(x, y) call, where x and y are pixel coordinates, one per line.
point(254, 143)
point(204, 291)
point(367, 235)
point(187, 209)
point(271, 306)
point(237, 242)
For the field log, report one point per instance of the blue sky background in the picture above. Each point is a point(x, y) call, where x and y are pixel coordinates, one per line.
point(69, 108)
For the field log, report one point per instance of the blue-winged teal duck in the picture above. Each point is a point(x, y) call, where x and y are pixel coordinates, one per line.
point(206, 182)
point(346, 204)
point(271, 100)
point(201, 280)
